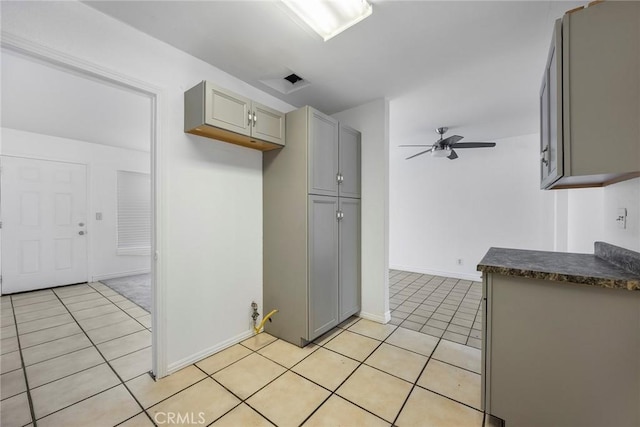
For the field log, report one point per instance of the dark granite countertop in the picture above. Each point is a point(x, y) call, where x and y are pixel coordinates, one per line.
point(609, 267)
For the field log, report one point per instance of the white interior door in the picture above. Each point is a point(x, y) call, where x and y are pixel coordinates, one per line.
point(44, 224)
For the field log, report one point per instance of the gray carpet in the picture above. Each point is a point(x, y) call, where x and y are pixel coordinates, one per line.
point(136, 288)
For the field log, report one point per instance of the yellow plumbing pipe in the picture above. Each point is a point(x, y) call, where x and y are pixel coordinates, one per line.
point(258, 329)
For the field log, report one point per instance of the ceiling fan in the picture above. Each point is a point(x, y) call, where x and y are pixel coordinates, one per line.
point(445, 147)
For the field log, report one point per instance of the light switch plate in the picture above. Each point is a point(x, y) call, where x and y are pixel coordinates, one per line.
point(621, 218)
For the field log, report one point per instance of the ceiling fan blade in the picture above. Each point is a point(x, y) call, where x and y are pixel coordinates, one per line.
point(452, 156)
point(418, 145)
point(474, 144)
point(450, 140)
point(420, 153)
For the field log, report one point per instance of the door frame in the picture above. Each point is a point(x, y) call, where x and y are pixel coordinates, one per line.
point(159, 109)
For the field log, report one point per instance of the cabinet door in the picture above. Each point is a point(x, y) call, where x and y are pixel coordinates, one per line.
point(544, 131)
point(551, 155)
point(551, 130)
point(323, 154)
point(555, 107)
point(349, 162)
point(227, 110)
point(268, 124)
point(323, 264)
point(349, 253)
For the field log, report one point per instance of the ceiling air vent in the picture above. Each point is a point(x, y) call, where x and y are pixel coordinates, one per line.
point(294, 78)
point(287, 84)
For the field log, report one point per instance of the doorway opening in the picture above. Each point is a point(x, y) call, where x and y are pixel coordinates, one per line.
point(93, 134)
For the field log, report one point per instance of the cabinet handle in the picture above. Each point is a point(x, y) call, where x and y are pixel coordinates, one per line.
point(543, 155)
point(255, 119)
point(249, 121)
point(339, 178)
point(339, 215)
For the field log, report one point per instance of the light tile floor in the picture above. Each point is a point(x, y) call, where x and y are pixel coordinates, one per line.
point(87, 357)
point(438, 306)
point(67, 353)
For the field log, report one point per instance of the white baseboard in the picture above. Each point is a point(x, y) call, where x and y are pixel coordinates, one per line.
point(190, 360)
point(99, 277)
point(456, 275)
point(380, 318)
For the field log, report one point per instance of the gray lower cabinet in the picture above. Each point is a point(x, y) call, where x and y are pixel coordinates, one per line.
point(323, 264)
point(349, 258)
point(560, 353)
point(311, 254)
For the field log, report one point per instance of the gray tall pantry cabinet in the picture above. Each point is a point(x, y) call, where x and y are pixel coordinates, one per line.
point(311, 197)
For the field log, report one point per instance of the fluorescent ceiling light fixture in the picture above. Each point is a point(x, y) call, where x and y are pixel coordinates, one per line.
point(329, 17)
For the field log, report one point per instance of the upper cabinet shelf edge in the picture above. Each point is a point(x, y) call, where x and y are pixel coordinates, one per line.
point(217, 113)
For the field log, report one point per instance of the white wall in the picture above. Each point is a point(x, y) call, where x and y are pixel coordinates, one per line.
point(102, 164)
point(584, 218)
point(212, 191)
point(591, 216)
point(443, 210)
point(372, 119)
point(622, 195)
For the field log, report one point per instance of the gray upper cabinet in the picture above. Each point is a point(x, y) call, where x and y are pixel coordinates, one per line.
point(227, 110)
point(349, 162)
point(218, 113)
point(311, 264)
point(551, 165)
point(589, 99)
point(334, 157)
point(268, 124)
point(323, 154)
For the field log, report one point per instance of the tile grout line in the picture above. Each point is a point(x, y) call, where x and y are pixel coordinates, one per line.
point(252, 351)
point(122, 309)
point(349, 376)
point(474, 317)
point(415, 383)
point(50, 341)
point(331, 392)
point(459, 304)
point(24, 369)
point(252, 394)
point(107, 363)
point(437, 307)
point(83, 332)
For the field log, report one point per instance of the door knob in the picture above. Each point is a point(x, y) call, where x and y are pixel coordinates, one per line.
point(82, 233)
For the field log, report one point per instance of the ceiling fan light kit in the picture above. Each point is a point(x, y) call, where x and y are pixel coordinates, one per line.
point(444, 147)
point(440, 153)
